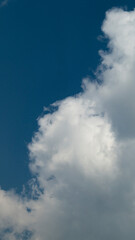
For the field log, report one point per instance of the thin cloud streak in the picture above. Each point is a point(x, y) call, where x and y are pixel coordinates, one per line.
point(4, 3)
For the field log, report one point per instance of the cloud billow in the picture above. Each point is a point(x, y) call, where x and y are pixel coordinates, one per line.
point(83, 155)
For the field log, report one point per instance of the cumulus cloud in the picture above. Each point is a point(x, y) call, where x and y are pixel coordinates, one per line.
point(117, 93)
point(82, 156)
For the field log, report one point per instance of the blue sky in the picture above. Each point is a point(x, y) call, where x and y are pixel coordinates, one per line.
point(72, 169)
point(46, 48)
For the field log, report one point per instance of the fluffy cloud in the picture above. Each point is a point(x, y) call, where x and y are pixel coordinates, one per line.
point(117, 93)
point(83, 155)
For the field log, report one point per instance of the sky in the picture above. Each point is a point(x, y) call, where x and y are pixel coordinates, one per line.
point(46, 48)
point(67, 92)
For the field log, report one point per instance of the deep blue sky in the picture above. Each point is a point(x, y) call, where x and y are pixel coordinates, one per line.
point(46, 48)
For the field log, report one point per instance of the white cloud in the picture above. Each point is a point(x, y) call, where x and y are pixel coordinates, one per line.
point(83, 155)
point(75, 136)
point(117, 93)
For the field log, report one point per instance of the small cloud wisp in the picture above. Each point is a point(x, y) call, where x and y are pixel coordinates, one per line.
point(4, 3)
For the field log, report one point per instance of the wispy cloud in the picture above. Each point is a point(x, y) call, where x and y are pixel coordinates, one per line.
point(4, 3)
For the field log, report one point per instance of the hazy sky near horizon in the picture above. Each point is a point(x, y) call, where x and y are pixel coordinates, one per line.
point(67, 92)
